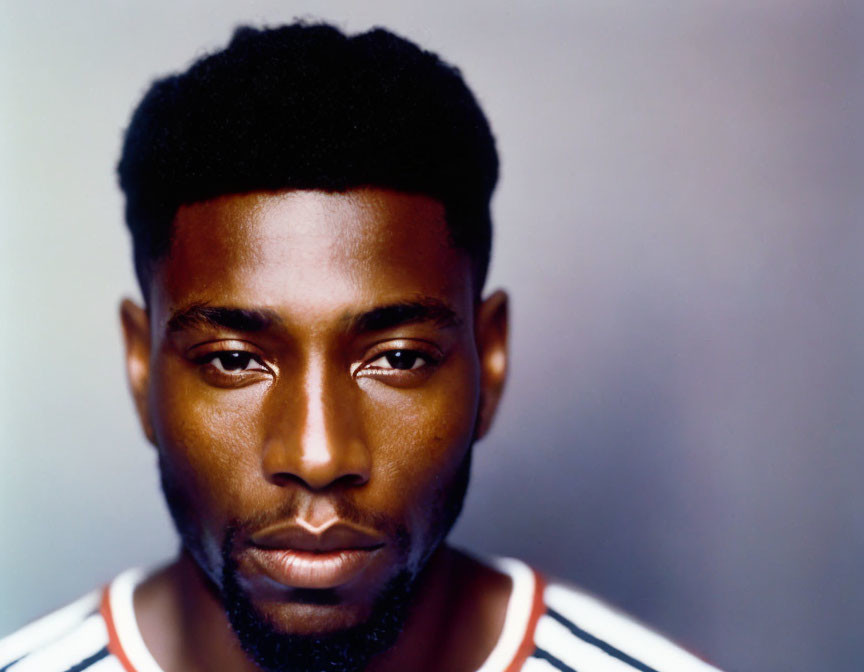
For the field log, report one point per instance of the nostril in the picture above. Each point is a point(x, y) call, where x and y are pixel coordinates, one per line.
point(284, 478)
point(310, 481)
point(351, 480)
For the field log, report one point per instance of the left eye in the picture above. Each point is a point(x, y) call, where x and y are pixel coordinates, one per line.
point(401, 360)
point(234, 360)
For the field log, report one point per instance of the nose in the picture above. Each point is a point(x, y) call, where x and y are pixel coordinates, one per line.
point(316, 438)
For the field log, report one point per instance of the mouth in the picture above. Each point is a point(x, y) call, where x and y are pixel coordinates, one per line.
point(302, 569)
point(297, 555)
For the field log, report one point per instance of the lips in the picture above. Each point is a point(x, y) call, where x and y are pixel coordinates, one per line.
point(298, 555)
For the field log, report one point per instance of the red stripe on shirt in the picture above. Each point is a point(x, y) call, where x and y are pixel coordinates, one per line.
point(526, 648)
point(114, 646)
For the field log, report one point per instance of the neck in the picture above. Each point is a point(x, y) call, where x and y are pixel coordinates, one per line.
point(457, 616)
point(456, 619)
point(178, 613)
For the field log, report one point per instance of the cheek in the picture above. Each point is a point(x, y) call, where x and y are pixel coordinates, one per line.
point(419, 437)
point(204, 436)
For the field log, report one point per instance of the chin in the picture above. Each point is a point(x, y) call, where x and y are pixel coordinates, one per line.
point(310, 616)
point(315, 630)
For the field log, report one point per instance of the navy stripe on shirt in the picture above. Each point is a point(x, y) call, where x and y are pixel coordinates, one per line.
point(8, 665)
point(543, 654)
point(90, 660)
point(599, 643)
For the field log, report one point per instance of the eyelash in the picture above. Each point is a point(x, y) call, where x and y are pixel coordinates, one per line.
point(385, 363)
point(240, 356)
point(413, 356)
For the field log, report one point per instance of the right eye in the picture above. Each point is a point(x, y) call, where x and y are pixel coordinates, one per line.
point(233, 361)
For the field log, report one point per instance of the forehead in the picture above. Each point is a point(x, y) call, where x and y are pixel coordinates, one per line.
point(311, 250)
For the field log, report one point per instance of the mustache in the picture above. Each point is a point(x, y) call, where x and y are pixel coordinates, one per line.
point(291, 510)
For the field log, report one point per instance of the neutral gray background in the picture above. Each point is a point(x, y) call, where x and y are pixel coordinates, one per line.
point(679, 225)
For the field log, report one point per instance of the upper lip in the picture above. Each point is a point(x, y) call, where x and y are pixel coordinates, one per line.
point(297, 536)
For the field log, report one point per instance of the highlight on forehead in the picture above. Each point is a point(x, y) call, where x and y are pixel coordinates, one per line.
point(417, 310)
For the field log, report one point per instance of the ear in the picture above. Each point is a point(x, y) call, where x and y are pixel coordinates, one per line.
point(491, 326)
point(136, 336)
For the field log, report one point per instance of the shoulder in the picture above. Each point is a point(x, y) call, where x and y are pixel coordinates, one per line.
point(71, 639)
point(552, 626)
point(574, 630)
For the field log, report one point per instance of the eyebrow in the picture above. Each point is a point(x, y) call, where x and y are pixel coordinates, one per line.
point(399, 314)
point(425, 309)
point(238, 319)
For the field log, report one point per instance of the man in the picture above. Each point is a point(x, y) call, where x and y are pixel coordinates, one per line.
point(313, 364)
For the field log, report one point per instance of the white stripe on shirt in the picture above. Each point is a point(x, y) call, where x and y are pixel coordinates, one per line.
point(621, 632)
point(76, 645)
point(48, 627)
point(538, 665)
point(518, 613)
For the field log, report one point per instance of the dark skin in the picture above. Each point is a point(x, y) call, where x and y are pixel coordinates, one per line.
point(311, 353)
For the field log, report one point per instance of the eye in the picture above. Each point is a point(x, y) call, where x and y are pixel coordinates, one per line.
point(233, 361)
point(402, 367)
point(400, 360)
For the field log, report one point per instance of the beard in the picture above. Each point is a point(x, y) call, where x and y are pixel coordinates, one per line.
point(346, 650)
point(349, 649)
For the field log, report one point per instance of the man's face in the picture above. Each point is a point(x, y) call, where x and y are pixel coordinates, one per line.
point(316, 373)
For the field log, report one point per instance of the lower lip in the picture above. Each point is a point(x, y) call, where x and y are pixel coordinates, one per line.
point(303, 569)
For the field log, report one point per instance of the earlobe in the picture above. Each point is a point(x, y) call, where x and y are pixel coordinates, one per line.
point(136, 336)
point(492, 328)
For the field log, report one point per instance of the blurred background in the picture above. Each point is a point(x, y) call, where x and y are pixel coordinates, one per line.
point(678, 221)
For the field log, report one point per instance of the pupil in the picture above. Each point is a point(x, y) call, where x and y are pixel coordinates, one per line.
point(400, 359)
point(232, 361)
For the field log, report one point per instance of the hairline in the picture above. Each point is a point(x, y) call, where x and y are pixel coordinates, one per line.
point(146, 263)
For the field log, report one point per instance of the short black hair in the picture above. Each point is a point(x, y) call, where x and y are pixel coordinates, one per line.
point(305, 106)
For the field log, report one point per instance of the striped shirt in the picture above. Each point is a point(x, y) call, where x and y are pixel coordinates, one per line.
point(548, 627)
